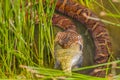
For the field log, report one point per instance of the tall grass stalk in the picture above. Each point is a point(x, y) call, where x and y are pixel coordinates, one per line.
point(87, 3)
point(46, 38)
point(17, 35)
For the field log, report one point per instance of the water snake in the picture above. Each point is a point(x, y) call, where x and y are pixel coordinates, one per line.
point(97, 30)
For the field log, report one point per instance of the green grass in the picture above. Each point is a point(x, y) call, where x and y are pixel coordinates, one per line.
point(45, 73)
point(18, 34)
point(23, 42)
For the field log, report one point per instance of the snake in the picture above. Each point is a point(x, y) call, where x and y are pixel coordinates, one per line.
point(69, 54)
point(97, 29)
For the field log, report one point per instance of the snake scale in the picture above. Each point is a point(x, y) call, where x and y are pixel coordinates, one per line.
point(96, 28)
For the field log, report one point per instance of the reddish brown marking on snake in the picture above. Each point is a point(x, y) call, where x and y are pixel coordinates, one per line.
point(97, 29)
point(63, 22)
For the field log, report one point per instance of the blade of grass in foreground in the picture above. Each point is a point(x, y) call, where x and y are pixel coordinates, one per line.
point(57, 74)
point(94, 66)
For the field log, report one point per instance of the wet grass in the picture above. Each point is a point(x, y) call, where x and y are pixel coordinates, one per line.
point(20, 47)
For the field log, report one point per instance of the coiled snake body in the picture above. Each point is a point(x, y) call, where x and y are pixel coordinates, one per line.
point(96, 28)
point(71, 40)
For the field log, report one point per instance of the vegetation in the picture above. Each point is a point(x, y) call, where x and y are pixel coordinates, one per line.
point(26, 45)
point(18, 41)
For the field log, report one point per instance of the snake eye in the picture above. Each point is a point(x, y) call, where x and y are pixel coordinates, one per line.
point(81, 47)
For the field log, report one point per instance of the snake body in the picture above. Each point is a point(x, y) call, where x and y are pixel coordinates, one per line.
point(97, 29)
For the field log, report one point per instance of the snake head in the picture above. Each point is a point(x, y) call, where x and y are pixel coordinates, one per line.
point(67, 38)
